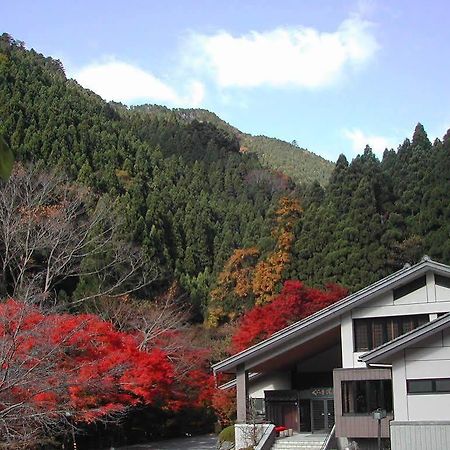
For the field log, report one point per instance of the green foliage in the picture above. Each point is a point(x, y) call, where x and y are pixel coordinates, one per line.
point(6, 160)
point(375, 216)
point(182, 188)
point(300, 164)
point(227, 434)
point(191, 189)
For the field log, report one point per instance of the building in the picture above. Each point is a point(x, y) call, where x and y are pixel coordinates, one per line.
point(386, 346)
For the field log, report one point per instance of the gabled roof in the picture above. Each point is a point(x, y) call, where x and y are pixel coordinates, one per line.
point(265, 348)
point(385, 351)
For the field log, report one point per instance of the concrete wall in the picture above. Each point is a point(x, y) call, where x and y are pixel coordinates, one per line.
point(420, 435)
point(261, 436)
point(430, 360)
point(269, 382)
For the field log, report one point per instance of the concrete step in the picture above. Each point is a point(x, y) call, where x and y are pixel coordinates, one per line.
point(298, 443)
point(297, 446)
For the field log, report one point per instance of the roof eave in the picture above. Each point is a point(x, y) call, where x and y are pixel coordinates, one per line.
point(230, 364)
point(384, 352)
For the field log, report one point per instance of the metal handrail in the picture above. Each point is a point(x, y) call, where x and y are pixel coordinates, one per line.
point(328, 438)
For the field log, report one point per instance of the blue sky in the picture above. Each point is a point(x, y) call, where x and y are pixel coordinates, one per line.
point(333, 75)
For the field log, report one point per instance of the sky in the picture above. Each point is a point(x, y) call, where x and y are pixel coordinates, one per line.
point(332, 75)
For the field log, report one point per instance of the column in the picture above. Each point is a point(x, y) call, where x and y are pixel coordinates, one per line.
point(241, 393)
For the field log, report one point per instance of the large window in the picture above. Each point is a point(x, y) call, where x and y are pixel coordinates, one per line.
point(371, 333)
point(365, 396)
point(429, 386)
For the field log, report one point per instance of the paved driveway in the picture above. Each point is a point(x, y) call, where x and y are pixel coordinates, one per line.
point(206, 442)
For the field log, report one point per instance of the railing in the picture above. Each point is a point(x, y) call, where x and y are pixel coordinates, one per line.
point(328, 441)
point(267, 439)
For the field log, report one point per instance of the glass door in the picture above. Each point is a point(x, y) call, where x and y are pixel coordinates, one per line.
point(322, 415)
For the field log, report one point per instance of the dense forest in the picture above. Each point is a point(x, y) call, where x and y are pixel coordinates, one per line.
point(170, 230)
point(189, 197)
point(298, 163)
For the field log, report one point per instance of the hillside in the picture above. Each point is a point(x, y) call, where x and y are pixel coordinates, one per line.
point(184, 192)
point(189, 195)
point(375, 216)
point(298, 163)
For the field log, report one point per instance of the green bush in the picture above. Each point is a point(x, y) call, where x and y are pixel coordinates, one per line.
point(227, 434)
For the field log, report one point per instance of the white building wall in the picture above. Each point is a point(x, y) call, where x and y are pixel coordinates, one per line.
point(270, 382)
point(430, 360)
point(431, 299)
point(347, 341)
point(442, 294)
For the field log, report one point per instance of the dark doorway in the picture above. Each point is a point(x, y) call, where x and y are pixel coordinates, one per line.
point(322, 415)
point(305, 415)
point(284, 413)
point(282, 408)
point(290, 416)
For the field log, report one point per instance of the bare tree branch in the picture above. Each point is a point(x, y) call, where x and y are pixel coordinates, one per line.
point(53, 234)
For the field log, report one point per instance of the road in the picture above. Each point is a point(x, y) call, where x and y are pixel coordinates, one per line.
point(205, 442)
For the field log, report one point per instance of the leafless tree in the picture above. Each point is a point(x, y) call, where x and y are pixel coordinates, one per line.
point(53, 233)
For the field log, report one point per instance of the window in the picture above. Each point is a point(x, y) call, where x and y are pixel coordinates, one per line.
point(442, 281)
point(429, 386)
point(365, 396)
point(371, 333)
point(410, 287)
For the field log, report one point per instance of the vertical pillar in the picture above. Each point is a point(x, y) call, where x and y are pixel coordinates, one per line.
point(431, 288)
point(241, 393)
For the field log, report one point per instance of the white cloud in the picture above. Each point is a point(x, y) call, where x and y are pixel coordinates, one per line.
point(120, 81)
point(301, 56)
point(359, 140)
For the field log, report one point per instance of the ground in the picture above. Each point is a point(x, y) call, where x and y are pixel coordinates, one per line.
point(206, 442)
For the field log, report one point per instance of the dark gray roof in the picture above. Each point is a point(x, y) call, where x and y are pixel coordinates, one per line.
point(384, 352)
point(264, 348)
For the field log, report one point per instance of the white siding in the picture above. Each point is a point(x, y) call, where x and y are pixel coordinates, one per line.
point(347, 341)
point(429, 299)
point(420, 436)
point(442, 294)
point(430, 360)
point(419, 296)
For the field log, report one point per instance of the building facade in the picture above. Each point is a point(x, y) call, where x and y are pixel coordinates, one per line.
point(386, 346)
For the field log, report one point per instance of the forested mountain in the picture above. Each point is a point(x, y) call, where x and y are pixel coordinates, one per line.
point(190, 197)
point(203, 219)
point(298, 163)
point(375, 216)
point(187, 195)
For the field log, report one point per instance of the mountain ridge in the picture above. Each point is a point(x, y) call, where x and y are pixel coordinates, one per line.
point(300, 164)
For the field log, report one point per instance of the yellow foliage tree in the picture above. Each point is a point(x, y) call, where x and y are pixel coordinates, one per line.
point(244, 281)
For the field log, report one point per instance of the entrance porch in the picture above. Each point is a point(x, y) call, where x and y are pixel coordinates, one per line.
point(309, 410)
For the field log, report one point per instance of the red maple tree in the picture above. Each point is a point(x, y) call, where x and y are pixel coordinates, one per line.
point(295, 301)
point(54, 366)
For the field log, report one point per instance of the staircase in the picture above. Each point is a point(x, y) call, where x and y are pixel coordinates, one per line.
point(302, 441)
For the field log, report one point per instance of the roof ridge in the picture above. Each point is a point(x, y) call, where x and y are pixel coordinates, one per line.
point(287, 332)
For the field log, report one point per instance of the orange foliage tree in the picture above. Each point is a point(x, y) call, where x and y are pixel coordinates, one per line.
point(234, 287)
point(245, 281)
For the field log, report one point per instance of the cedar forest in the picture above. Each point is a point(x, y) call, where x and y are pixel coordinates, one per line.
point(138, 245)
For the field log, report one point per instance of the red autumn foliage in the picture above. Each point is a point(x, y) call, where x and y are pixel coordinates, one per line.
point(52, 365)
point(193, 383)
point(295, 301)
